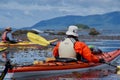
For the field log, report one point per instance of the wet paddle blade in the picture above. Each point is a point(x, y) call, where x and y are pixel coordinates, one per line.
point(39, 39)
point(3, 48)
point(118, 69)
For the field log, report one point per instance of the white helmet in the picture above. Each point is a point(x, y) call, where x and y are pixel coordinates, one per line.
point(72, 30)
point(8, 29)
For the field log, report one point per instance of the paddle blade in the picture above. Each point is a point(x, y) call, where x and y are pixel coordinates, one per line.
point(2, 48)
point(118, 69)
point(37, 39)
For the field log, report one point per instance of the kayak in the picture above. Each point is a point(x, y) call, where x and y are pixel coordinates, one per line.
point(53, 67)
point(21, 44)
point(34, 39)
point(24, 43)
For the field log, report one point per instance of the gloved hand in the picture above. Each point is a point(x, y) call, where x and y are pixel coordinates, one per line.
point(56, 57)
point(102, 60)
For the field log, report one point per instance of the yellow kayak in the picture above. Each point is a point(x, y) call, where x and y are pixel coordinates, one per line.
point(35, 39)
point(24, 43)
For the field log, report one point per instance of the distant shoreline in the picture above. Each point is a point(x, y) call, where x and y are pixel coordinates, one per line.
point(81, 37)
point(84, 37)
point(100, 37)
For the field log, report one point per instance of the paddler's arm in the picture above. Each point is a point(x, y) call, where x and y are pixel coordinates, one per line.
point(9, 35)
point(85, 51)
point(55, 50)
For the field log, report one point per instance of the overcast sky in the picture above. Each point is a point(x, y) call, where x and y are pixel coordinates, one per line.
point(25, 13)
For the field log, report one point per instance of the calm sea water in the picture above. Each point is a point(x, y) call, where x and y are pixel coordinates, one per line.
point(27, 56)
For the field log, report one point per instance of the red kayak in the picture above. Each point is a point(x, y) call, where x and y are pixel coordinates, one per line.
point(53, 67)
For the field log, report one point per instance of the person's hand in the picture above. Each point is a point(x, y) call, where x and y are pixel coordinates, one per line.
point(102, 60)
point(56, 57)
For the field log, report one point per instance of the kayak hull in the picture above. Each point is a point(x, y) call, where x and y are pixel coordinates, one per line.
point(48, 73)
point(24, 44)
point(55, 68)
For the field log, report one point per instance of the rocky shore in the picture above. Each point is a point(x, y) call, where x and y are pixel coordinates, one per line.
point(100, 37)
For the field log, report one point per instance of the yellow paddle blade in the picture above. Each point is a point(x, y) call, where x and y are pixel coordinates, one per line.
point(39, 39)
point(3, 48)
point(118, 69)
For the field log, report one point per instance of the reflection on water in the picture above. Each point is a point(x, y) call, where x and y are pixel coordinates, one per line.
point(102, 74)
point(28, 56)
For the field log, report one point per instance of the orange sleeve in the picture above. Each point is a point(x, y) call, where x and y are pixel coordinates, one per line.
point(84, 51)
point(55, 50)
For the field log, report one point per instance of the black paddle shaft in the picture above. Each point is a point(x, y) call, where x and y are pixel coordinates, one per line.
point(52, 44)
point(7, 66)
point(111, 64)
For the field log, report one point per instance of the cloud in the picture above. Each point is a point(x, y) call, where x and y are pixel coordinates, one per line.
point(17, 6)
point(87, 7)
point(83, 7)
point(36, 10)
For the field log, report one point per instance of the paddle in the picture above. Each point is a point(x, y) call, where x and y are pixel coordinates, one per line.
point(39, 39)
point(7, 66)
point(111, 64)
point(117, 67)
point(2, 48)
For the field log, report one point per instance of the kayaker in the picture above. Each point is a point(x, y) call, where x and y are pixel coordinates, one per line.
point(71, 47)
point(7, 36)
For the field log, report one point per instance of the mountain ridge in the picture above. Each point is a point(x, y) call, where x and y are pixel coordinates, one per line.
point(99, 21)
